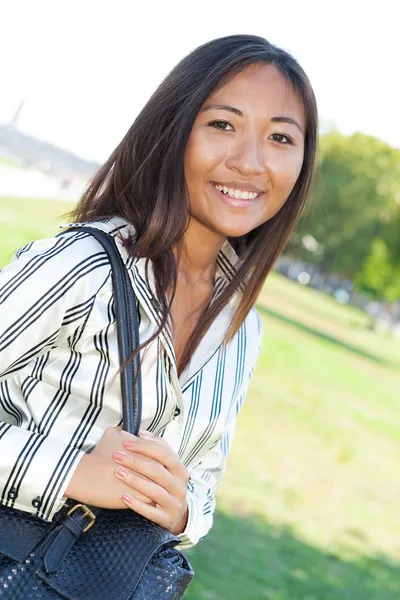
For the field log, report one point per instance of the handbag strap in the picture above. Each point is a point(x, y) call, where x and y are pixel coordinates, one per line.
point(127, 331)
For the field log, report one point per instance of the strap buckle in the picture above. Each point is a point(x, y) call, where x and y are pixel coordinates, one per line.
point(87, 513)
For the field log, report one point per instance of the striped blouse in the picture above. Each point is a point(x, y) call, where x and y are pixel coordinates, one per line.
point(59, 358)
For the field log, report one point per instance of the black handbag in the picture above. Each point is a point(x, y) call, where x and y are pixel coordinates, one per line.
point(87, 553)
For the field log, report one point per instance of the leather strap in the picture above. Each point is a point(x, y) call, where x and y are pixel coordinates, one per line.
point(77, 522)
point(127, 329)
point(62, 540)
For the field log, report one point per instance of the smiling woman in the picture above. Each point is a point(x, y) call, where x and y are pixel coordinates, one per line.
point(258, 151)
point(200, 197)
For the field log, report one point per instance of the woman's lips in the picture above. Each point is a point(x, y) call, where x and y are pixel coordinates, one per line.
point(233, 202)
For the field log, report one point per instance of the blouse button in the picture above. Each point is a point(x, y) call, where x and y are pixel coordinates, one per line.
point(12, 494)
point(37, 502)
point(177, 411)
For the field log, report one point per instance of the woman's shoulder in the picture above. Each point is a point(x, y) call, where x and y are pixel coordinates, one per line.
point(116, 227)
point(72, 245)
point(70, 259)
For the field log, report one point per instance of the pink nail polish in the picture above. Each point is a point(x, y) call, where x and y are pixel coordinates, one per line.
point(119, 457)
point(120, 472)
point(128, 444)
point(127, 498)
point(145, 432)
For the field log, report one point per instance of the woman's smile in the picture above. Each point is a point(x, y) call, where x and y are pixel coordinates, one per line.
point(247, 147)
point(235, 197)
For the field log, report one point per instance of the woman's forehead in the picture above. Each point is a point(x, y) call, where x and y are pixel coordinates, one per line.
point(260, 89)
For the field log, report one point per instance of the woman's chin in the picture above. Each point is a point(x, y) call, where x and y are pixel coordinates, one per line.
point(234, 229)
point(225, 226)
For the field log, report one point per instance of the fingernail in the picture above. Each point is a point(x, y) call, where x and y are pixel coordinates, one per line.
point(119, 456)
point(120, 472)
point(145, 432)
point(127, 498)
point(128, 444)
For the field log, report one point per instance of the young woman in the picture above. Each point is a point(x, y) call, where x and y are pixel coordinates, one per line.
point(201, 196)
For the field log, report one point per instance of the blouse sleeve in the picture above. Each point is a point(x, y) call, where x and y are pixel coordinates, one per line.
point(206, 476)
point(46, 295)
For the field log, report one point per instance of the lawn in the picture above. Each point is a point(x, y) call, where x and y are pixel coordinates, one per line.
point(309, 507)
point(24, 220)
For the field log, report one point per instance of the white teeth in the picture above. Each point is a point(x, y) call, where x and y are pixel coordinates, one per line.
point(235, 193)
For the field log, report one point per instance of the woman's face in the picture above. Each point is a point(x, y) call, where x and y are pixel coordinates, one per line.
point(245, 152)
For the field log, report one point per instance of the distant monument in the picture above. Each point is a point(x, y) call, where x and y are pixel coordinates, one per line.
point(14, 119)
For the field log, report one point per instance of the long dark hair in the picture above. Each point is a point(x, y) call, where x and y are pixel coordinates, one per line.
point(143, 180)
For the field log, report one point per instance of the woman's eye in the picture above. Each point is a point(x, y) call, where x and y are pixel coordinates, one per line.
point(282, 139)
point(221, 125)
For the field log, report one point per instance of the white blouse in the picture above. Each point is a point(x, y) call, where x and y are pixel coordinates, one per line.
point(59, 357)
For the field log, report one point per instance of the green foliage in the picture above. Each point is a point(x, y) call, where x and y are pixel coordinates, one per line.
point(356, 199)
point(379, 276)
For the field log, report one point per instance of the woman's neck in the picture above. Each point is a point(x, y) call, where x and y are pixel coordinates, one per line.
point(198, 253)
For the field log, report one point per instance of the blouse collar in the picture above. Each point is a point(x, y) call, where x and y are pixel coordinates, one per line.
point(142, 277)
point(227, 259)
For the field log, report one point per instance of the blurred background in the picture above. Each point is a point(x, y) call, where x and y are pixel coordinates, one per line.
point(309, 507)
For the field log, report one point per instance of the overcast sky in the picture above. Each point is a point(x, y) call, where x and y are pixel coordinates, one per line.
point(87, 67)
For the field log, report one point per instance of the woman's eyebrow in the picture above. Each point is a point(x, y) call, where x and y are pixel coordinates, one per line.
point(282, 119)
point(236, 111)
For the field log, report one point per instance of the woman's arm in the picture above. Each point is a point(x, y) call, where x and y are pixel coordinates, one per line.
point(46, 294)
point(184, 499)
point(206, 476)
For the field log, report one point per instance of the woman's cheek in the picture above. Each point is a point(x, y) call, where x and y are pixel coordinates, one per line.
point(285, 172)
point(211, 152)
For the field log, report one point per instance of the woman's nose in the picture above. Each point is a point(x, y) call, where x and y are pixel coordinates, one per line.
point(247, 158)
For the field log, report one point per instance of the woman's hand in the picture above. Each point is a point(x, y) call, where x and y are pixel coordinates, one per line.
point(151, 469)
point(94, 481)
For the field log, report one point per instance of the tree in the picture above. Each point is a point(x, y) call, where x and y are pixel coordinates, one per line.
point(379, 277)
point(356, 200)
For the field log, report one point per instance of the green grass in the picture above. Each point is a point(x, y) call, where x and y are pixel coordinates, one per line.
point(24, 220)
point(309, 507)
